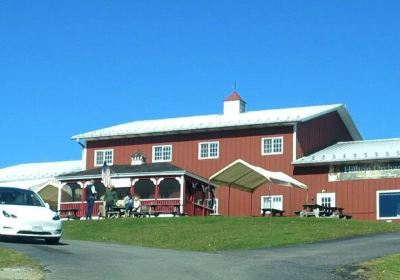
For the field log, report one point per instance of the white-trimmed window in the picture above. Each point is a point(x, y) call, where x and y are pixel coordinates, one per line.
point(272, 145)
point(272, 201)
point(326, 199)
point(101, 156)
point(388, 204)
point(209, 150)
point(162, 153)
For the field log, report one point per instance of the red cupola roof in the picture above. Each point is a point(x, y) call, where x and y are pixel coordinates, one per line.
point(233, 97)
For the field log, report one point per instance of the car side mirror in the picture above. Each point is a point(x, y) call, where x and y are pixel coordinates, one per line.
point(47, 205)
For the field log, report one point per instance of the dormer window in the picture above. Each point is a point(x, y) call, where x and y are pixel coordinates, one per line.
point(138, 159)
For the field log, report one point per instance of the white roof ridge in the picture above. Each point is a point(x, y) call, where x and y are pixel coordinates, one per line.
point(198, 122)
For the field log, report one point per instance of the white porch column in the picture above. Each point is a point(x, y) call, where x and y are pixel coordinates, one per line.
point(181, 181)
point(59, 195)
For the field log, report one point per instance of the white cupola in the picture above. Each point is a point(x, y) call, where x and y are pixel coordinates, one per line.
point(234, 104)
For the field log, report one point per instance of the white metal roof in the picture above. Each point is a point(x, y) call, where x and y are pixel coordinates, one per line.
point(213, 122)
point(354, 151)
point(36, 172)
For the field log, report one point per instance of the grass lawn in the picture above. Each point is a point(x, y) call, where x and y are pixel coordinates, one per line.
point(220, 233)
point(386, 268)
point(11, 258)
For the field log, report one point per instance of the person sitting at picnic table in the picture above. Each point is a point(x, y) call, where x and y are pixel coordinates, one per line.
point(137, 206)
point(110, 198)
point(128, 204)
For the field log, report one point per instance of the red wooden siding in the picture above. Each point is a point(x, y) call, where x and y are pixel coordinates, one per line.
point(244, 144)
point(357, 197)
point(319, 133)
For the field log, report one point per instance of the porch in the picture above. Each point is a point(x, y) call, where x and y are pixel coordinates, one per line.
point(162, 187)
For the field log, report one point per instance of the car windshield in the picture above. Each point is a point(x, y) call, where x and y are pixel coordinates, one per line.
point(13, 196)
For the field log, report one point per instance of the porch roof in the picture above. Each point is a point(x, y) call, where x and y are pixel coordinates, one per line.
point(354, 151)
point(133, 171)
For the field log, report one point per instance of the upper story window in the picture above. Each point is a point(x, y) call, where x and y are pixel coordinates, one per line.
point(272, 145)
point(162, 153)
point(101, 156)
point(208, 150)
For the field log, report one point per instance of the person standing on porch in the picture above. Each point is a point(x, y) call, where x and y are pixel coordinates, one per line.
point(90, 192)
point(110, 198)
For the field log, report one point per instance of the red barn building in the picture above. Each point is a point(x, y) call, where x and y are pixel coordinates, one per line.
point(317, 145)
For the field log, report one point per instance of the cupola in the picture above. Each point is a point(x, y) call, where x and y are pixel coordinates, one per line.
point(234, 104)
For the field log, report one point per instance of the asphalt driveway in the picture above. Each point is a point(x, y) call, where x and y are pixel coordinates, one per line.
point(92, 260)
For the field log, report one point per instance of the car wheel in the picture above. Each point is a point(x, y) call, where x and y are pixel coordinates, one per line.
point(52, 240)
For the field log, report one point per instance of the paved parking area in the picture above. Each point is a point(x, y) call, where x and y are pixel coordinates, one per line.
point(92, 260)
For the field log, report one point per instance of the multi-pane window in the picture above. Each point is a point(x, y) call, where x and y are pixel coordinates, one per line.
point(208, 150)
point(273, 145)
point(101, 156)
point(272, 201)
point(326, 199)
point(162, 153)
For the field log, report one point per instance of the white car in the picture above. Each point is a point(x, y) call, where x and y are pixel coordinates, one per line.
point(23, 213)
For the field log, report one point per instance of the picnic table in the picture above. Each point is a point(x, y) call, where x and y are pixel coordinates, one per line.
point(69, 213)
point(272, 211)
point(154, 209)
point(317, 210)
point(116, 212)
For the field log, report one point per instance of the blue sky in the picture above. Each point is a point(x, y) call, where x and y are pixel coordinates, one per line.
point(68, 67)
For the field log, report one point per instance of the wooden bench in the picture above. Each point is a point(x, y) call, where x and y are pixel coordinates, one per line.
point(158, 209)
point(273, 211)
point(157, 213)
point(304, 213)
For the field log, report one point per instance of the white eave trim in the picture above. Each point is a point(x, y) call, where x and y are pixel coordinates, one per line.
point(177, 132)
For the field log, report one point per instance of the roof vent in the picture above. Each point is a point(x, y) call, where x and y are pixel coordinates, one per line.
point(138, 159)
point(234, 104)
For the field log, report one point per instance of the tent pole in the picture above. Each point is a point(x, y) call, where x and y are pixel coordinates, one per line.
point(270, 199)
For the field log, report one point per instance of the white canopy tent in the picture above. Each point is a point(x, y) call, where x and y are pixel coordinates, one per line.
point(245, 176)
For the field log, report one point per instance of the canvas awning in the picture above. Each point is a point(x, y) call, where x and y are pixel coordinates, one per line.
point(243, 175)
